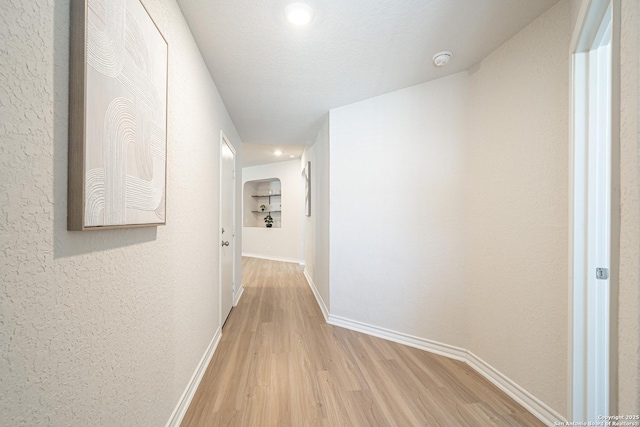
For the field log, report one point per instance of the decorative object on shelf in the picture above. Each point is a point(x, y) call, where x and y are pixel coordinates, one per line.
point(307, 187)
point(268, 220)
point(118, 117)
point(263, 207)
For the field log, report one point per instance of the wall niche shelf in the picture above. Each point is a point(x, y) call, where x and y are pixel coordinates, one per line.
point(265, 196)
point(262, 192)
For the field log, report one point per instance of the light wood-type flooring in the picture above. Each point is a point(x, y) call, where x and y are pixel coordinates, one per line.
point(280, 364)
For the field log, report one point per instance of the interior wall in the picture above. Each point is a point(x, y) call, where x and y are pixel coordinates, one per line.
point(284, 243)
point(316, 226)
point(105, 327)
point(629, 296)
point(518, 207)
point(398, 185)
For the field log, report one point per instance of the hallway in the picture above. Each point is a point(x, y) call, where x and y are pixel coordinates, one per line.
point(280, 364)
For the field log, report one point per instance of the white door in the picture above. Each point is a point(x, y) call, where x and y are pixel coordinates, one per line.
point(592, 219)
point(227, 226)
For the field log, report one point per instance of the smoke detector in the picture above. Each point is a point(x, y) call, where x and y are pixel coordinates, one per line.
point(442, 58)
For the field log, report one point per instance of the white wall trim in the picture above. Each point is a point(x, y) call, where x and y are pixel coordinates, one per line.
point(185, 400)
point(319, 300)
point(274, 258)
point(531, 403)
point(447, 350)
point(238, 295)
point(539, 409)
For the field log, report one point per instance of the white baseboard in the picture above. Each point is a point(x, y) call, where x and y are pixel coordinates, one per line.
point(531, 403)
point(238, 295)
point(185, 400)
point(450, 351)
point(274, 258)
point(319, 300)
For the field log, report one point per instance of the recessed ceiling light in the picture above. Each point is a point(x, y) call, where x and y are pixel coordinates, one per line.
point(278, 153)
point(291, 156)
point(298, 14)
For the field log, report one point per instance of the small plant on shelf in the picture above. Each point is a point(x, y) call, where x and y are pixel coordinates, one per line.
point(268, 220)
point(263, 207)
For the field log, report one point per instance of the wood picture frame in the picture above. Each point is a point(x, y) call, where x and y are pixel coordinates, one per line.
point(118, 92)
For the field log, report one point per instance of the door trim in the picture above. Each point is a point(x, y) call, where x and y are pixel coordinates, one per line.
point(225, 140)
point(590, 15)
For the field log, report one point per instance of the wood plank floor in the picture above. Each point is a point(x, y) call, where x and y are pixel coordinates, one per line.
point(280, 364)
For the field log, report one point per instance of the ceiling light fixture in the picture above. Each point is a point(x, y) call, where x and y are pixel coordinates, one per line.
point(442, 58)
point(278, 153)
point(298, 14)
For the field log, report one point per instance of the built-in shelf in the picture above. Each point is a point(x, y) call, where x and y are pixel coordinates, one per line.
point(267, 192)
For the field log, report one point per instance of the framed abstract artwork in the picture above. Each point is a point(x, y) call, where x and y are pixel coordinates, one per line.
point(307, 189)
point(118, 116)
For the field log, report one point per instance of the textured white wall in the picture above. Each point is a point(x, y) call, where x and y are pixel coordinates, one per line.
point(629, 310)
point(518, 207)
point(398, 210)
point(449, 209)
point(283, 243)
point(316, 235)
point(100, 328)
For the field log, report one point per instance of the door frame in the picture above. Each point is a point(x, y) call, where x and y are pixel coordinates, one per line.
point(225, 140)
point(588, 22)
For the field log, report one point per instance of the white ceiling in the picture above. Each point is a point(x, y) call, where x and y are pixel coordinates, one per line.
point(260, 154)
point(279, 81)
